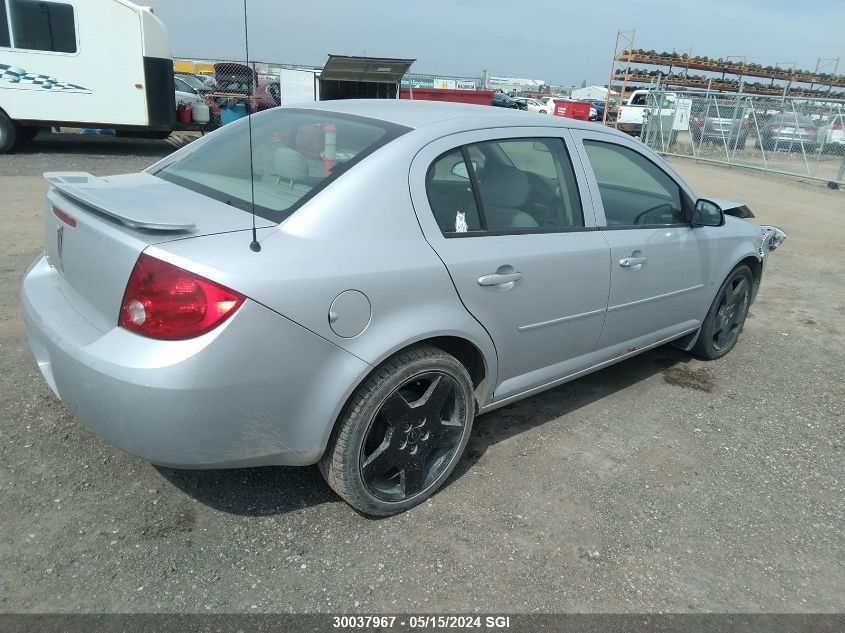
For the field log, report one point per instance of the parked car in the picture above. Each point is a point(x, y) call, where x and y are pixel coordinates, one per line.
point(597, 110)
point(832, 134)
point(532, 105)
point(208, 80)
point(501, 100)
point(790, 131)
point(190, 98)
point(720, 124)
point(177, 332)
point(193, 81)
point(549, 103)
point(268, 93)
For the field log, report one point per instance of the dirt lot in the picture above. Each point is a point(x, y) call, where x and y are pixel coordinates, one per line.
point(662, 483)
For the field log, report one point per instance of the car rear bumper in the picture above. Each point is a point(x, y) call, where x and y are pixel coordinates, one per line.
point(258, 390)
point(794, 139)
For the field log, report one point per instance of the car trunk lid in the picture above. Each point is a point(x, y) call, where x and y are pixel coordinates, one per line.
point(95, 229)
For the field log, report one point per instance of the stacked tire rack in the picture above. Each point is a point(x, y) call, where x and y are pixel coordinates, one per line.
point(681, 70)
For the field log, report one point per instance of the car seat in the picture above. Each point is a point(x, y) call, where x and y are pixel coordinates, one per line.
point(504, 191)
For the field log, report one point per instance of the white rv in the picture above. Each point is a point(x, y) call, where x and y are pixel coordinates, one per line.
point(83, 63)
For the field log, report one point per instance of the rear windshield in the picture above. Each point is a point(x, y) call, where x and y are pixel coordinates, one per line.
point(295, 154)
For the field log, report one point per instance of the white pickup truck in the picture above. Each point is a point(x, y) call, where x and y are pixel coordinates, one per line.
point(632, 114)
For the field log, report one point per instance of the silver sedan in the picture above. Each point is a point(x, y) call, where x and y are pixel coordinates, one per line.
point(412, 266)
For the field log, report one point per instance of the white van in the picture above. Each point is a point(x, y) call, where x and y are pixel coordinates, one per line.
point(83, 63)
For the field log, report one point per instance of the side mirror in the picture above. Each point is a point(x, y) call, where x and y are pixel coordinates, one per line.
point(707, 213)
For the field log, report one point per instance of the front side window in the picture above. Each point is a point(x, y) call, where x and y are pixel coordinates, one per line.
point(295, 154)
point(634, 191)
point(43, 26)
point(505, 186)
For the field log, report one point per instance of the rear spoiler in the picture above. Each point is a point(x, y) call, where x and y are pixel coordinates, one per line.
point(83, 188)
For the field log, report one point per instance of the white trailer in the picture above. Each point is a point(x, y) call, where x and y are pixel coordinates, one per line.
point(83, 63)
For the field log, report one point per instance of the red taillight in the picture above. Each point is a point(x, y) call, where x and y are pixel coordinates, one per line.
point(744, 125)
point(812, 130)
point(167, 302)
point(64, 217)
point(839, 127)
point(700, 121)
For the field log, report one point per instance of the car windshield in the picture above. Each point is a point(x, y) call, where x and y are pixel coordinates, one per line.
point(295, 154)
point(192, 81)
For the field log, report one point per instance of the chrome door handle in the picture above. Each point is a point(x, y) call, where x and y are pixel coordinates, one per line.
point(628, 262)
point(496, 279)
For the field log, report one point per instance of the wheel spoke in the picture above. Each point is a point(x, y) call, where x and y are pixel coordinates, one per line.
point(412, 479)
point(383, 458)
point(397, 411)
point(738, 293)
point(434, 398)
point(441, 430)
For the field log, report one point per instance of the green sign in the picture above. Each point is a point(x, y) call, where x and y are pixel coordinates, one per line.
point(418, 83)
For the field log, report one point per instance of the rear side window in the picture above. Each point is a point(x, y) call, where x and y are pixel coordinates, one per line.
point(450, 194)
point(295, 154)
point(4, 26)
point(43, 26)
point(634, 191)
point(508, 186)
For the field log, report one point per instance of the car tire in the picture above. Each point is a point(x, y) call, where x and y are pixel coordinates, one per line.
point(726, 317)
point(543, 112)
point(741, 143)
point(388, 453)
point(8, 133)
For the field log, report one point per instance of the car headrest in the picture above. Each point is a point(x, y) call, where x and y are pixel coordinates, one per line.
point(505, 186)
point(290, 165)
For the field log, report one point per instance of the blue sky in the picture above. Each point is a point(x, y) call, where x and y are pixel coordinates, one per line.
point(561, 41)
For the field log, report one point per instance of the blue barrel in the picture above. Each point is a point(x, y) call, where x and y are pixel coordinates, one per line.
point(237, 111)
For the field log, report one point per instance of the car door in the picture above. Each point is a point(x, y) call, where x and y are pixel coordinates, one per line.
point(511, 218)
point(658, 260)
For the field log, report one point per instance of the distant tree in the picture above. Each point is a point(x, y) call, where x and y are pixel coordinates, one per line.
point(583, 83)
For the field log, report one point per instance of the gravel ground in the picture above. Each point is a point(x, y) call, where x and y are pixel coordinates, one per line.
point(659, 484)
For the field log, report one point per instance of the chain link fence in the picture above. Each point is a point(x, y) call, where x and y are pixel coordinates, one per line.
point(787, 135)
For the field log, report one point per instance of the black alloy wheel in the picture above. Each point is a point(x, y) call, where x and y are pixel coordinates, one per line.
point(726, 318)
point(730, 315)
point(402, 432)
point(413, 437)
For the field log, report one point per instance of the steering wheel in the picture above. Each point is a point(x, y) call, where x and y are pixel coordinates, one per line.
point(660, 207)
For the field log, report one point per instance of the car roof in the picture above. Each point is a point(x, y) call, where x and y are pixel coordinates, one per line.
point(423, 114)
